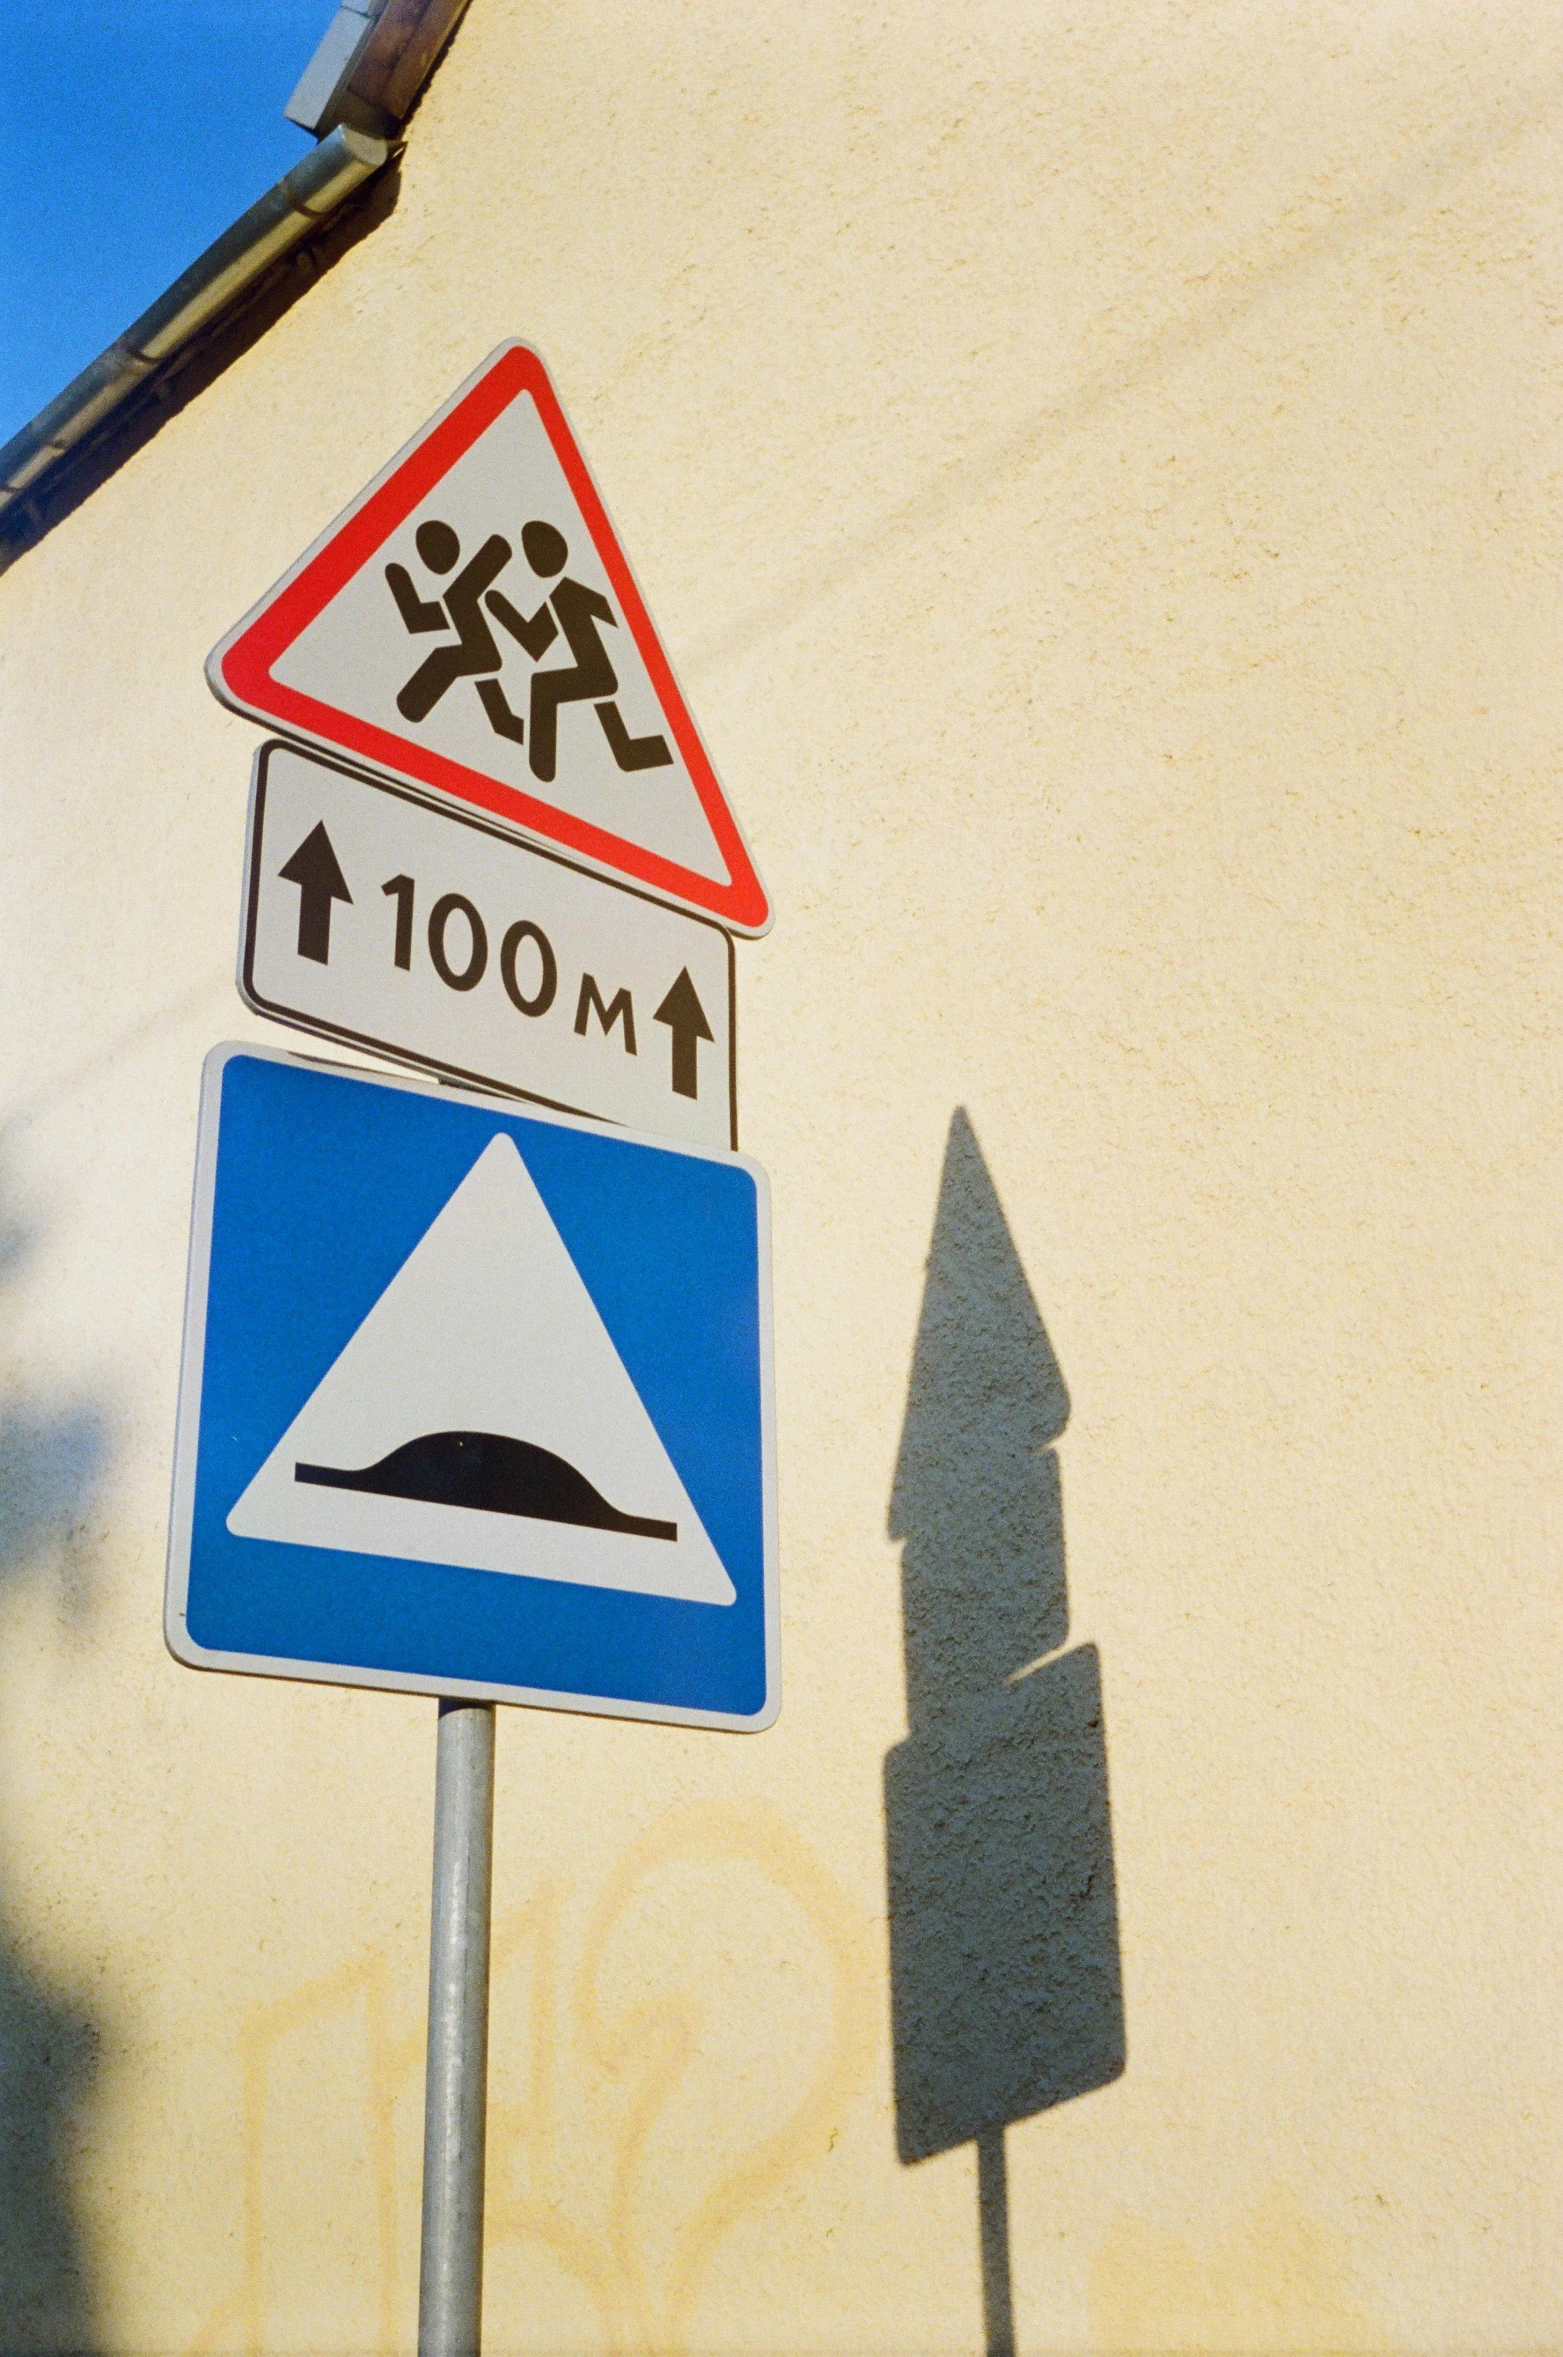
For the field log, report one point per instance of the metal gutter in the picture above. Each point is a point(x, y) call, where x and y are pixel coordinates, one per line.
point(358, 91)
point(326, 83)
point(299, 203)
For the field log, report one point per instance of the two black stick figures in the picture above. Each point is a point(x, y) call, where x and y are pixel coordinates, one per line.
point(571, 610)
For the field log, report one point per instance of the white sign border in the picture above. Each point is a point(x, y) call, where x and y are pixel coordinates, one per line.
point(181, 1516)
point(295, 1020)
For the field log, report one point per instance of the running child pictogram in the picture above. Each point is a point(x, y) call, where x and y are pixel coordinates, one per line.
point(470, 626)
point(571, 610)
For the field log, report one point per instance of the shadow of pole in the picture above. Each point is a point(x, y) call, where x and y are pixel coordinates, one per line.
point(1006, 1992)
point(998, 2297)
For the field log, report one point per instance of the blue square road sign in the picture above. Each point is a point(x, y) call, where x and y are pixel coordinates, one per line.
point(473, 1402)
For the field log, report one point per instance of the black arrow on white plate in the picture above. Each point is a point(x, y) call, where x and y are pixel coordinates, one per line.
point(313, 868)
point(685, 1017)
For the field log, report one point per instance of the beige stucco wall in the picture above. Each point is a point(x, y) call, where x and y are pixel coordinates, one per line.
point(1095, 471)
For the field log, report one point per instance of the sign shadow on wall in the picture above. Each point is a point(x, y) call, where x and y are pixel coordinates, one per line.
point(52, 1458)
point(1006, 1993)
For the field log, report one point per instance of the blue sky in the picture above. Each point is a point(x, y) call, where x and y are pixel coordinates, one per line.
point(131, 133)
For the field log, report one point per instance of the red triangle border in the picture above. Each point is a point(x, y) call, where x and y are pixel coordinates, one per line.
point(245, 665)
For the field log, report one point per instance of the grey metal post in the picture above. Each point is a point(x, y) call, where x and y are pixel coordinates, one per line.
point(450, 2283)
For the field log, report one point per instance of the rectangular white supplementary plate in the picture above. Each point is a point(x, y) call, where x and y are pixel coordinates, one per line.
point(380, 921)
point(476, 1399)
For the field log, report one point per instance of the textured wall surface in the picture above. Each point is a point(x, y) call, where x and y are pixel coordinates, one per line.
point(1095, 470)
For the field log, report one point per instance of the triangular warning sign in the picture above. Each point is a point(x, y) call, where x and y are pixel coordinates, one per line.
point(470, 624)
point(482, 1416)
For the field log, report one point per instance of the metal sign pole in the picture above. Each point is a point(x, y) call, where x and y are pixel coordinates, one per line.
point(450, 2284)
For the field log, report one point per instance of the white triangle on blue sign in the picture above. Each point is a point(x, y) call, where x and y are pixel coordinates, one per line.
point(481, 1416)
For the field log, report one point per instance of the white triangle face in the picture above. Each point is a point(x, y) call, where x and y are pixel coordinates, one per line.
point(484, 1373)
point(359, 654)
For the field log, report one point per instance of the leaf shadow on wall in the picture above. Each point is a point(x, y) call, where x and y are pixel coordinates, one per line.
point(53, 1455)
point(1006, 1992)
